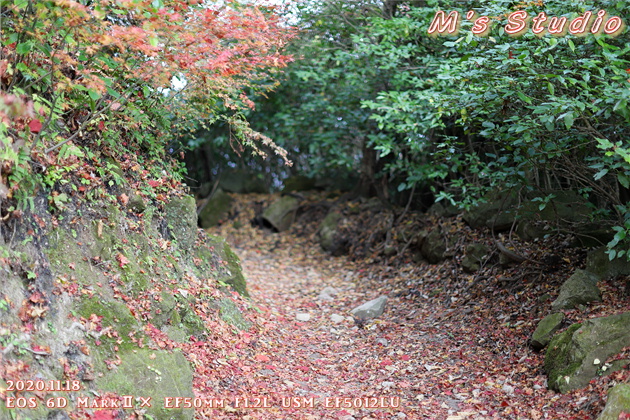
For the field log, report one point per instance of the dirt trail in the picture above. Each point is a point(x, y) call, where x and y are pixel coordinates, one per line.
point(430, 359)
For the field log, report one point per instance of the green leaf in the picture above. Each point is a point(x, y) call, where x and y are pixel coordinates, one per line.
point(600, 174)
point(94, 94)
point(24, 47)
point(568, 120)
point(523, 97)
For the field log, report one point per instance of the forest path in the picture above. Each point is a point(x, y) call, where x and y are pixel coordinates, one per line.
point(435, 359)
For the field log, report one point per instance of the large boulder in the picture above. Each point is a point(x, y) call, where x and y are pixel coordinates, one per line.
point(618, 403)
point(598, 263)
point(579, 289)
point(215, 209)
point(577, 355)
point(281, 213)
point(545, 330)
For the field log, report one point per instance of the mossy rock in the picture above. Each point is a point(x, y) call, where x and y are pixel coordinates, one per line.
point(618, 402)
point(181, 217)
point(164, 311)
point(215, 209)
point(576, 356)
point(155, 374)
point(228, 269)
point(545, 330)
point(598, 263)
point(63, 252)
point(115, 315)
point(580, 288)
point(281, 213)
point(230, 313)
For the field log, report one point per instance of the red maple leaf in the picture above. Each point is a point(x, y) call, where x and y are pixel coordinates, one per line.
point(122, 260)
point(35, 126)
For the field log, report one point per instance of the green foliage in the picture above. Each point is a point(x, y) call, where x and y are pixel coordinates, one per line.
point(462, 115)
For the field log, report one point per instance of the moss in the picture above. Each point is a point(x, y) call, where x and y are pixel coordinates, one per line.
point(63, 252)
point(232, 315)
point(181, 216)
point(116, 315)
point(164, 311)
point(226, 268)
point(557, 360)
point(155, 374)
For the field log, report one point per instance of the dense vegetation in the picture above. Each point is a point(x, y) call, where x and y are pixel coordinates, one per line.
point(451, 118)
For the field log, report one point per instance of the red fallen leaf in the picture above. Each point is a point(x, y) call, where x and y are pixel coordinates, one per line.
point(101, 125)
point(35, 126)
point(82, 188)
point(153, 183)
point(504, 404)
point(262, 358)
point(405, 357)
point(40, 349)
point(122, 260)
point(386, 362)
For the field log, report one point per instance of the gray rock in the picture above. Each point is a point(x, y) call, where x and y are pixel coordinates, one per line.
point(337, 318)
point(579, 289)
point(281, 213)
point(545, 330)
point(327, 294)
point(303, 317)
point(598, 263)
point(575, 356)
point(618, 402)
point(371, 309)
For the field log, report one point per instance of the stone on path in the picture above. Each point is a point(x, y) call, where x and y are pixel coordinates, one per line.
point(302, 317)
point(337, 318)
point(327, 294)
point(371, 309)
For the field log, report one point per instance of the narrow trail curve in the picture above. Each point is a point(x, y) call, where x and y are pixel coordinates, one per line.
point(416, 358)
